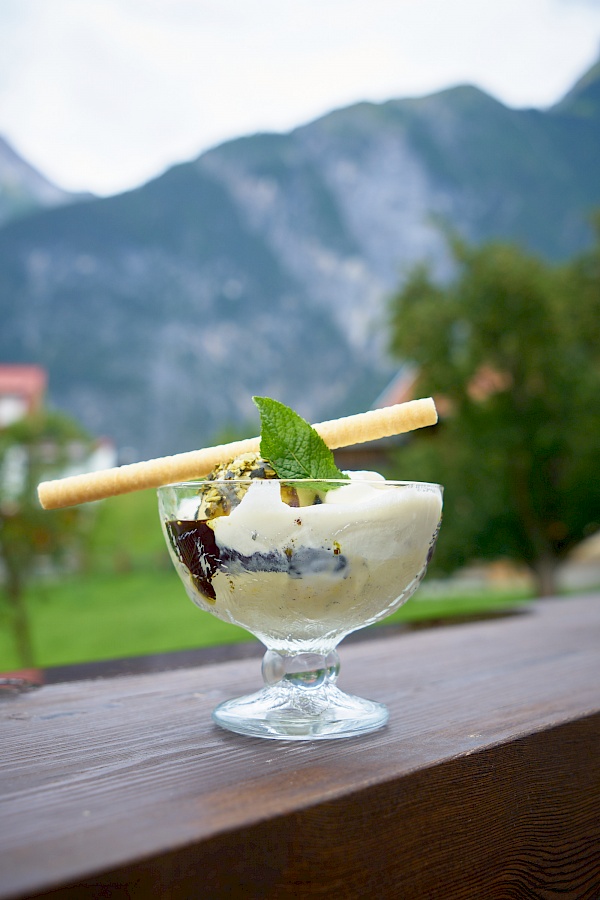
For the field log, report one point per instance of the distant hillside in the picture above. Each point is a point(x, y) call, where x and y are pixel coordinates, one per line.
point(263, 266)
point(23, 189)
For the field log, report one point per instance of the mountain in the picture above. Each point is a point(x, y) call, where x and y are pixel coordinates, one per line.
point(23, 189)
point(263, 266)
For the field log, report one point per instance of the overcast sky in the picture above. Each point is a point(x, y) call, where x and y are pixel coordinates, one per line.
point(102, 95)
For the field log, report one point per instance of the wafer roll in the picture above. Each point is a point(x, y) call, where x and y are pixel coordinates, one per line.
point(358, 429)
point(378, 423)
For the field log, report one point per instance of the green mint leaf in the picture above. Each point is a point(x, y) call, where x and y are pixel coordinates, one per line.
point(292, 446)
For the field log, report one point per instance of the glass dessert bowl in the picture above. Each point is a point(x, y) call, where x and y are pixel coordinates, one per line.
point(300, 565)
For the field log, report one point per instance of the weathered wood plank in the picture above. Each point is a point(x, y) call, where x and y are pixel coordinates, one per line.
point(485, 783)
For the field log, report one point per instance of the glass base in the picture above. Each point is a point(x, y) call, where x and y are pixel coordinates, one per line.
point(287, 712)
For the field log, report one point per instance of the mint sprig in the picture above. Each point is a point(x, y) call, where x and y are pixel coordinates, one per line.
point(292, 446)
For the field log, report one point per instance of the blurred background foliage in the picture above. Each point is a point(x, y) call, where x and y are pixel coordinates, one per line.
point(33, 540)
point(510, 348)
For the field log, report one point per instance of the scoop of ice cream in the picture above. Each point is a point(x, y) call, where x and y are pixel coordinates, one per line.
point(219, 501)
point(241, 471)
point(246, 465)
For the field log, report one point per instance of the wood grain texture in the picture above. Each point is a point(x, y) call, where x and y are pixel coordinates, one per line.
point(485, 784)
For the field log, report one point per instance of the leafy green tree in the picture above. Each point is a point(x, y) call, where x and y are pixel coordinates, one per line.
point(33, 449)
point(510, 346)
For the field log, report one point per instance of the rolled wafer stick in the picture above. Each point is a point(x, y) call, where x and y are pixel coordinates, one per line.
point(358, 429)
point(378, 423)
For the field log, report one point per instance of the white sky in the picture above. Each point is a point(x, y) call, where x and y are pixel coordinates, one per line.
point(102, 95)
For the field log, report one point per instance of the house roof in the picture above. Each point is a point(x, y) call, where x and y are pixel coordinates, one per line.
point(400, 389)
point(26, 381)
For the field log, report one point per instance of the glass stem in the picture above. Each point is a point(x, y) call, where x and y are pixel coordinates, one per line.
point(304, 670)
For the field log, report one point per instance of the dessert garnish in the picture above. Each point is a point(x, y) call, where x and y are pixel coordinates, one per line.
point(290, 449)
point(344, 432)
point(292, 446)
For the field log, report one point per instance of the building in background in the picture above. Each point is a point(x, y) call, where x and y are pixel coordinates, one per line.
point(22, 392)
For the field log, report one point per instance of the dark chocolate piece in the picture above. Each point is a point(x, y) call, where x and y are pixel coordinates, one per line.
point(195, 545)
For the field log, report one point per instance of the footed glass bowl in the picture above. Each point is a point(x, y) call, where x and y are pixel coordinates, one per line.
point(300, 565)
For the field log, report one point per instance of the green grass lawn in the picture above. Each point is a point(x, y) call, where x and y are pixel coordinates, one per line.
point(110, 616)
point(130, 601)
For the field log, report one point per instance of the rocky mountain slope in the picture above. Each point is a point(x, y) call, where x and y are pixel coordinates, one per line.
point(23, 189)
point(264, 265)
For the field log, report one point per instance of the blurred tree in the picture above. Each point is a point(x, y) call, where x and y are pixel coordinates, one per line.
point(33, 449)
point(511, 347)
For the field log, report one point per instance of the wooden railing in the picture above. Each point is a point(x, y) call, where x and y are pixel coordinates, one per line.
point(485, 784)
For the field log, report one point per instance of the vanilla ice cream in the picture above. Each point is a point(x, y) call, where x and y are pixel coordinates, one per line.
point(299, 576)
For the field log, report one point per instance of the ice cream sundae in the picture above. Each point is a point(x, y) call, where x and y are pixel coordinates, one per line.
point(300, 562)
